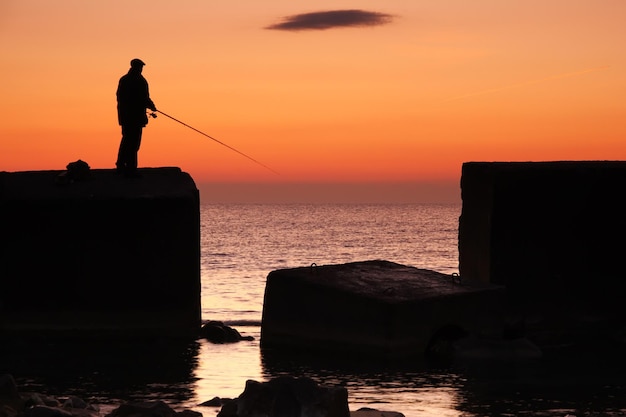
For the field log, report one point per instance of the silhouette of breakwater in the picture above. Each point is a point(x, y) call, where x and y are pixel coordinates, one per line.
point(553, 234)
point(99, 252)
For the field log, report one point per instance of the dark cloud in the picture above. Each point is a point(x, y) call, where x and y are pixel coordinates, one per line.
point(331, 19)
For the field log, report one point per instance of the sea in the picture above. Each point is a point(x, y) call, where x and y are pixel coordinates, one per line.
point(240, 245)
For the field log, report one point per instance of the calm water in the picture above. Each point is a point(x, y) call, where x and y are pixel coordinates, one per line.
point(241, 244)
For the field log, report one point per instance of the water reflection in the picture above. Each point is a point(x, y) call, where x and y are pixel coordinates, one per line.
point(223, 369)
point(104, 371)
point(581, 385)
point(382, 385)
point(187, 373)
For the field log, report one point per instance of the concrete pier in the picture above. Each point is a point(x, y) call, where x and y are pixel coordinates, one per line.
point(100, 253)
point(552, 232)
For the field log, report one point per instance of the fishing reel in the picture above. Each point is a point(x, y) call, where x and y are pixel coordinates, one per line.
point(153, 114)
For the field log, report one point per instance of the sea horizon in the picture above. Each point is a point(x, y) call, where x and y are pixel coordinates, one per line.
point(373, 192)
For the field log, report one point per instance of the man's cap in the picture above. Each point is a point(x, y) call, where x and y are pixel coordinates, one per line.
point(137, 63)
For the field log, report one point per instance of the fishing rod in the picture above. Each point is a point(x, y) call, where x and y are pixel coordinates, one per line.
point(153, 114)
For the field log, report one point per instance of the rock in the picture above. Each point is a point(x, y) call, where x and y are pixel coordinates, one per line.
point(189, 413)
point(288, 396)
point(213, 402)
point(7, 411)
point(16, 404)
point(217, 332)
point(453, 344)
point(31, 399)
point(150, 409)
point(77, 170)
point(75, 402)
point(84, 410)
point(474, 348)
point(72, 404)
point(45, 411)
point(10, 400)
point(441, 347)
point(370, 412)
point(229, 409)
point(29, 404)
point(8, 387)
point(143, 409)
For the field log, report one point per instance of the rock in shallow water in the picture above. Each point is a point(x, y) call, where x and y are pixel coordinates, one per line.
point(288, 396)
point(370, 412)
point(218, 332)
point(150, 409)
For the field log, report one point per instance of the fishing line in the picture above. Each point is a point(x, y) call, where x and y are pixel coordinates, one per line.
point(212, 138)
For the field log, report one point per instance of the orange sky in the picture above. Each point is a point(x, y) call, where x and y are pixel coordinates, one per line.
point(409, 100)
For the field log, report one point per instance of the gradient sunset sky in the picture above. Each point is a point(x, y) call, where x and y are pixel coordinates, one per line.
point(323, 92)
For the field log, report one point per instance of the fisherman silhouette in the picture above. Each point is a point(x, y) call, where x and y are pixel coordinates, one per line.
point(133, 98)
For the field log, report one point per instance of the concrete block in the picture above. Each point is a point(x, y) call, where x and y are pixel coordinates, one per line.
point(102, 253)
point(377, 308)
point(551, 232)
